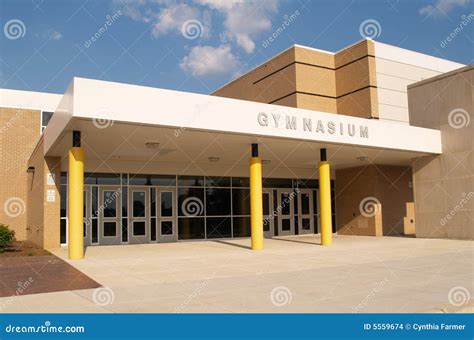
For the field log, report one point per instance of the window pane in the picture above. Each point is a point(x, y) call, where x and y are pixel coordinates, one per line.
point(124, 230)
point(240, 201)
point(63, 177)
point(95, 231)
point(110, 203)
point(46, 117)
point(190, 228)
point(217, 202)
point(266, 203)
point(153, 229)
point(306, 183)
point(152, 202)
point(190, 181)
point(241, 226)
point(139, 179)
point(163, 180)
point(110, 229)
point(191, 202)
point(139, 228)
point(306, 224)
point(285, 200)
point(305, 203)
point(62, 232)
point(138, 203)
point(218, 227)
point(124, 201)
point(217, 181)
point(240, 182)
point(63, 201)
point(286, 224)
point(277, 183)
point(95, 201)
point(166, 228)
point(166, 204)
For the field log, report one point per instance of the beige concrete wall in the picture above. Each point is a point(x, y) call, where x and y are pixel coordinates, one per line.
point(43, 215)
point(444, 185)
point(371, 200)
point(19, 133)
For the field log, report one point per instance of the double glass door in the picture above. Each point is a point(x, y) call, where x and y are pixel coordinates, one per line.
point(295, 211)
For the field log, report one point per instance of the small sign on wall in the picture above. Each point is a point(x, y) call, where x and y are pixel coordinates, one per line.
point(51, 196)
point(50, 180)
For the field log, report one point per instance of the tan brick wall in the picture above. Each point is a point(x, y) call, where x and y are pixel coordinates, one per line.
point(19, 133)
point(388, 186)
point(43, 216)
point(343, 83)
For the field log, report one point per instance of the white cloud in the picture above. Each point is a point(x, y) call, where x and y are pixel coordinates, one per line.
point(244, 20)
point(209, 60)
point(442, 7)
point(55, 35)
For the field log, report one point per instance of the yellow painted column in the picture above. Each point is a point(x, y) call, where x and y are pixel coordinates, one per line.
point(256, 203)
point(325, 203)
point(75, 204)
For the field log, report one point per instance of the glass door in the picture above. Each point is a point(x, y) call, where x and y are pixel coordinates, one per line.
point(305, 212)
point(166, 215)
point(285, 208)
point(87, 216)
point(139, 215)
point(108, 212)
point(268, 213)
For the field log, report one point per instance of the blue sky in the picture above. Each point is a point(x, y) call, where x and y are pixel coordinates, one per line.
point(200, 45)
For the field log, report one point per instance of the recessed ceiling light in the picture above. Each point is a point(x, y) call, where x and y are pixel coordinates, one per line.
point(213, 159)
point(362, 158)
point(152, 145)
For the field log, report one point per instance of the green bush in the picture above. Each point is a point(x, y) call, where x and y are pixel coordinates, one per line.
point(7, 237)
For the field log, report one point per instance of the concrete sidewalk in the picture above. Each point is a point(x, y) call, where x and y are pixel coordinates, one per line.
point(292, 274)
